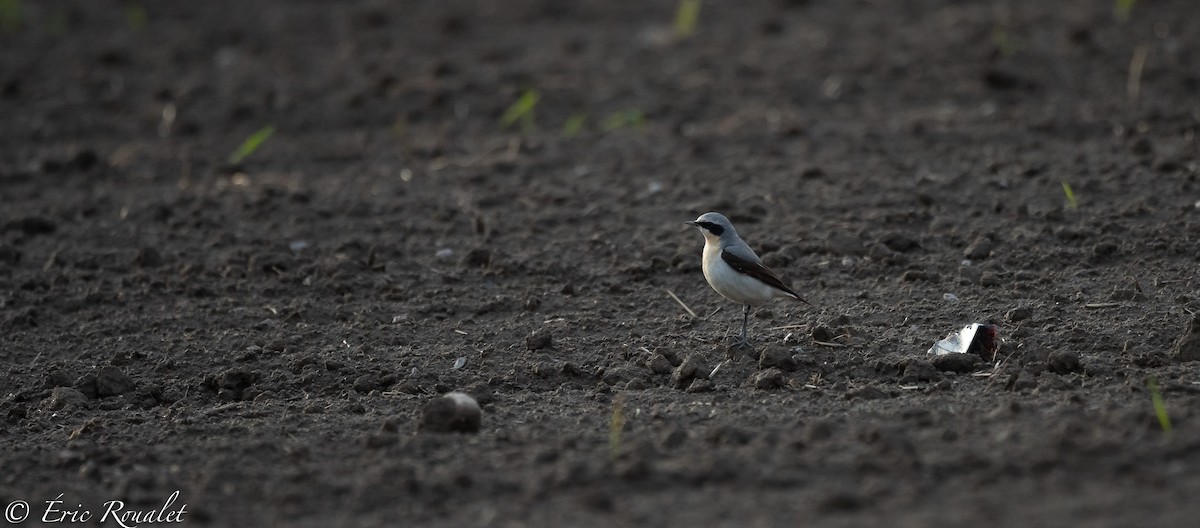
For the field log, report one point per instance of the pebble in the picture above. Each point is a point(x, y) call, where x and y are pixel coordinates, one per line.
point(454, 412)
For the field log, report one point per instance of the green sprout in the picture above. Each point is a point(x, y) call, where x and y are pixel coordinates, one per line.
point(1004, 41)
point(1160, 408)
point(10, 15)
point(1072, 202)
point(135, 16)
point(251, 144)
point(521, 110)
point(616, 423)
point(686, 16)
point(624, 118)
point(1122, 9)
point(574, 124)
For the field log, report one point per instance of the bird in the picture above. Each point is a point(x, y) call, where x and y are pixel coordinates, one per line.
point(735, 271)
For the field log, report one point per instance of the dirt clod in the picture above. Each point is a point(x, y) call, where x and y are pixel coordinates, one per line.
point(540, 340)
point(780, 358)
point(63, 398)
point(1064, 362)
point(1187, 347)
point(919, 371)
point(980, 249)
point(960, 363)
point(110, 381)
point(771, 378)
point(690, 369)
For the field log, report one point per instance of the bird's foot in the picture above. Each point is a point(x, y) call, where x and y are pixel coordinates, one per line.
point(742, 346)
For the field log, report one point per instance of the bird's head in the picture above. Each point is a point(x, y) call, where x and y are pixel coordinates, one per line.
point(713, 225)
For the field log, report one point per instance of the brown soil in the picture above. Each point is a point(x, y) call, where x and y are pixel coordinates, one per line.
point(261, 336)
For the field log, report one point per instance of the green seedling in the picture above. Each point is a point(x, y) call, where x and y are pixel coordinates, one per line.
point(1122, 9)
point(251, 144)
point(1005, 42)
point(135, 17)
point(622, 119)
point(1160, 407)
point(11, 15)
point(521, 110)
point(1072, 202)
point(574, 124)
point(686, 15)
point(616, 423)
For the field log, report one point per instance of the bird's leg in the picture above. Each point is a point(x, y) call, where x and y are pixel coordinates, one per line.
point(744, 342)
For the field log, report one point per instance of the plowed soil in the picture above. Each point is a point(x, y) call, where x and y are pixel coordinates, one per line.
point(261, 334)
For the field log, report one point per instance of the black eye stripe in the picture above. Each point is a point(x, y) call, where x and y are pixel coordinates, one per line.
point(712, 228)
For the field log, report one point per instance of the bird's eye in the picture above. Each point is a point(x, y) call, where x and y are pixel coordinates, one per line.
point(712, 228)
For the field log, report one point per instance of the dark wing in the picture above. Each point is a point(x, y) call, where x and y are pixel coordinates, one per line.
point(760, 272)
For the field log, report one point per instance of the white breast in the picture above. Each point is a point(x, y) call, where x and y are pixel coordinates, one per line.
point(731, 284)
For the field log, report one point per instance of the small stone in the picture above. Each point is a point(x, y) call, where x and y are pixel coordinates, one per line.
point(777, 358)
point(110, 381)
point(1187, 347)
point(1063, 362)
point(980, 249)
point(771, 378)
point(690, 369)
point(960, 363)
point(454, 412)
point(920, 371)
point(64, 397)
point(539, 341)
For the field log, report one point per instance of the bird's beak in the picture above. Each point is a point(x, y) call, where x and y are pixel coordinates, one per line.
point(691, 223)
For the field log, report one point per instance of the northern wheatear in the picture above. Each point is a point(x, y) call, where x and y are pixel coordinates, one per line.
point(734, 271)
